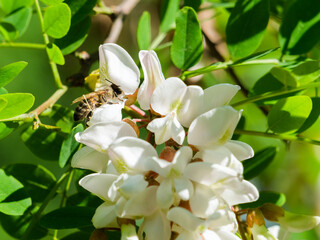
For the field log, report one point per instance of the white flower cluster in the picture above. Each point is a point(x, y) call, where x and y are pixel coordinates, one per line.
point(179, 192)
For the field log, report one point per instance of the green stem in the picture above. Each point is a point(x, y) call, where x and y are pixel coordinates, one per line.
point(158, 40)
point(282, 137)
point(53, 66)
point(49, 197)
point(275, 94)
point(225, 65)
point(66, 189)
point(23, 45)
point(162, 46)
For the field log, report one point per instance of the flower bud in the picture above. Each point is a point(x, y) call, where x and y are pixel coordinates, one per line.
point(272, 212)
point(167, 154)
point(255, 217)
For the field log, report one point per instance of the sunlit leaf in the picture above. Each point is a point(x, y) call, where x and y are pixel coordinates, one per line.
point(8, 32)
point(288, 114)
point(76, 36)
point(56, 20)
point(3, 91)
point(144, 31)
point(313, 116)
point(9, 6)
point(16, 226)
point(169, 9)
point(50, 2)
point(278, 199)
point(284, 76)
point(55, 54)
point(267, 83)
point(69, 146)
point(307, 72)
point(44, 143)
point(68, 217)
point(246, 26)
point(299, 30)
point(63, 117)
point(3, 103)
point(260, 161)
point(36, 179)
point(13, 198)
point(187, 47)
point(10, 71)
point(17, 103)
point(20, 20)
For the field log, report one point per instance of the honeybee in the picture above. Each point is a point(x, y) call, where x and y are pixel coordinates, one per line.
point(105, 95)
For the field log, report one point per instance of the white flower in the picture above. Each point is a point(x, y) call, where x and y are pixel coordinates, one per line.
point(107, 113)
point(174, 186)
point(181, 104)
point(153, 77)
point(116, 66)
point(213, 128)
point(219, 226)
point(262, 233)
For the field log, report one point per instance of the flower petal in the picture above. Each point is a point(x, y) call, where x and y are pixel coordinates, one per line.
point(223, 219)
point(98, 184)
point(240, 150)
point(177, 131)
point(156, 226)
point(208, 174)
point(167, 96)
point(181, 158)
point(236, 192)
point(190, 105)
point(214, 127)
point(99, 136)
point(107, 113)
point(204, 202)
point(184, 218)
point(298, 222)
point(183, 187)
point(130, 154)
point(133, 185)
point(153, 77)
point(88, 158)
point(165, 197)
point(218, 95)
point(105, 216)
point(141, 204)
point(117, 66)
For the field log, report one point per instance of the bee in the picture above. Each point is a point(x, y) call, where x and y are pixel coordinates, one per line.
point(105, 95)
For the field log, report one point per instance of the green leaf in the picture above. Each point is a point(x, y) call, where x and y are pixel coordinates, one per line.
point(10, 71)
point(9, 6)
point(3, 91)
point(55, 54)
point(13, 198)
point(246, 26)
point(8, 31)
point(3, 103)
point(76, 36)
point(43, 143)
point(195, 4)
point(18, 103)
point(255, 56)
point(17, 225)
point(77, 236)
point(313, 116)
point(6, 128)
point(267, 83)
point(278, 199)
point(169, 9)
point(144, 31)
point(84, 199)
point(307, 72)
point(20, 20)
point(80, 9)
point(187, 48)
point(68, 217)
point(36, 179)
point(284, 76)
point(63, 117)
point(56, 20)
point(261, 160)
point(51, 2)
point(299, 31)
point(289, 114)
point(69, 146)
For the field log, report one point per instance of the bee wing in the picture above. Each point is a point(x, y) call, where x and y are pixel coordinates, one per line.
point(87, 96)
